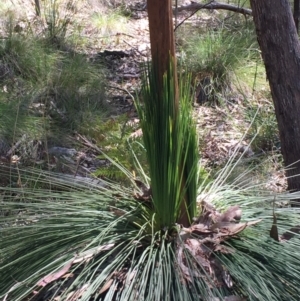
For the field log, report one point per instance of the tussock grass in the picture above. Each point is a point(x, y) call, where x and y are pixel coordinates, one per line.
point(214, 55)
point(41, 85)
point(264, 128)
point(77, 219)
point(110, 24)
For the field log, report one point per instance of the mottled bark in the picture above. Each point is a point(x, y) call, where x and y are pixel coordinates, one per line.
point(297, 13)
point(279, 43)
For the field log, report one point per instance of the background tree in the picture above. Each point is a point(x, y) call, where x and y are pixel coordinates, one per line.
point(296, 13)
point(280, 47)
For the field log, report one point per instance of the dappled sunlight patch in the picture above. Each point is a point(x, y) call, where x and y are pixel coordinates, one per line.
point(110, 23)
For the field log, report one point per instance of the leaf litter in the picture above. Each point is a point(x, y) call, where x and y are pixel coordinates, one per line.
point(197, 246)
point(199, 243)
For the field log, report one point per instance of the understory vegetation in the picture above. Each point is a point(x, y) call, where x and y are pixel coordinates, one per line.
point(91, 206)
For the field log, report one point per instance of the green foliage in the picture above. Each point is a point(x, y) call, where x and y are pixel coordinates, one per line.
point(44, 86)
point(103, 242)
point(171, 143)
point(251, 75)
point(57, 16)
point(44, 248)
point(114, 137)
point(264, 128)
point(4, 6)
point(116, 254)
point(27, 57)
point(240, 3)
point(77, 88)
point(110, 23)
point(214, 55)
point(52, 24)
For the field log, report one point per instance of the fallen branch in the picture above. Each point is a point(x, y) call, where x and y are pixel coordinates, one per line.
point(213, 5)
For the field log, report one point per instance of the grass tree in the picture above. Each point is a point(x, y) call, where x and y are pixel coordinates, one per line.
point(166, 237)
point(162, 114)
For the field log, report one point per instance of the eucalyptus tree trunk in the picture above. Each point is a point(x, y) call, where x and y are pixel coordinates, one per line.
point(297, 13)
point(280, 48)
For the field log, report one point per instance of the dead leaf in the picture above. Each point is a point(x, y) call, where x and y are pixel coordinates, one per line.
point(75, 295)
point(146, 191)
point(203, 239)
point(224, 249)
point(290, 234)
point(106, 286)
point(185, 233)
point(117, 212)
point(233, 213)
point(184, 269)
point(68, 275)
point(15, 159)
point(227, 279)
point(87, 255)
point(234, 298)
point(207, 217)
point(136, 134)
point(54, 276)
point(199, 251)
point(200, 229)
point(233, 229)
point(216, 227)
point(131, 275)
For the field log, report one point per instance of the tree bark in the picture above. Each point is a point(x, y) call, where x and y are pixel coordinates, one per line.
point(214, 5)
point(37, 8)
point(280, 48)
point(296, 13)
point(162, 38)
point(162, 42)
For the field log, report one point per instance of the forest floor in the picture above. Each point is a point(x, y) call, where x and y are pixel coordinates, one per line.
point(120, 42)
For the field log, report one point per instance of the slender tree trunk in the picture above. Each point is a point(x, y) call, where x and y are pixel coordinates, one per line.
point(37, 7)
point(162, 41)
point(297, 13)
point(280, 47)
point(162, 38)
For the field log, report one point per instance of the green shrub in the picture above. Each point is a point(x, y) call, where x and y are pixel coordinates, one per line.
point(213, 55)
point(43, 83)
point(264, 128)
point(110, 23)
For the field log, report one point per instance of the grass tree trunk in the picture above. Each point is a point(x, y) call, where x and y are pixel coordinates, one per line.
point(37, 7)
point(161, 36)
point(280, 47)
point(162, 41)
